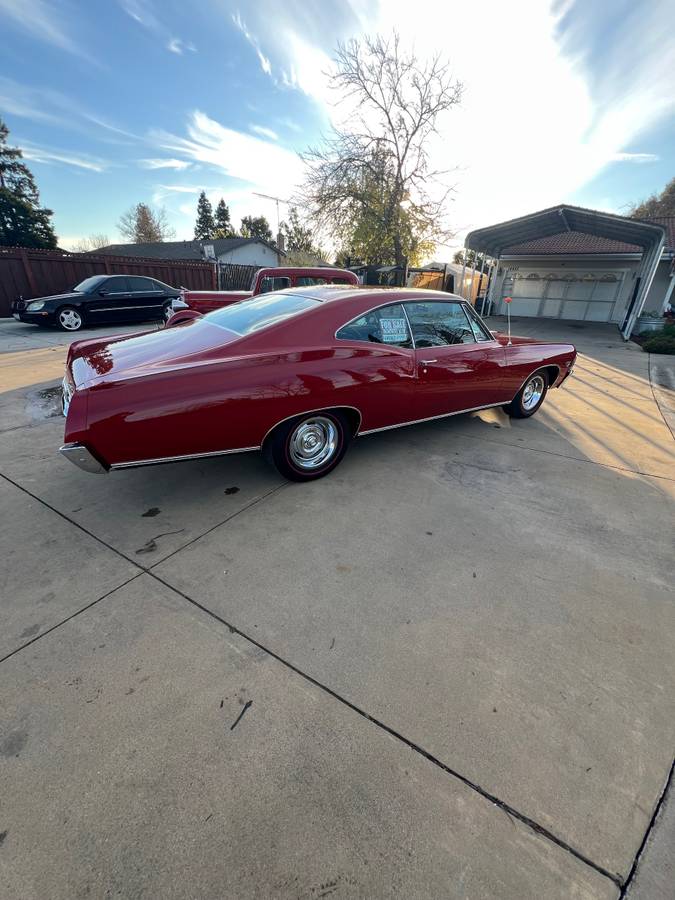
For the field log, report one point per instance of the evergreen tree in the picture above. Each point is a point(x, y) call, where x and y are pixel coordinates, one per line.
point(224, 227)
point(204, 226)
point(23, 222)
point(256, 226)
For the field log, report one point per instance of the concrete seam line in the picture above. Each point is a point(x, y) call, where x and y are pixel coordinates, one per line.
point(658, 405)
point(218, 525)
point(652, 822)
point(119, 552)
point(68, 618)
point(501, 804)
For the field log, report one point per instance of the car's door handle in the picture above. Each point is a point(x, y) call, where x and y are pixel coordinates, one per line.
point(427, 362)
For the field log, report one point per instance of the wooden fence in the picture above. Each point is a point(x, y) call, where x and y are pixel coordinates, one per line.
point(37, 273)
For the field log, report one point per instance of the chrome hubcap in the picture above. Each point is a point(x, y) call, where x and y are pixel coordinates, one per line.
point(533, 392)
point(70, 319)
point(313, 443)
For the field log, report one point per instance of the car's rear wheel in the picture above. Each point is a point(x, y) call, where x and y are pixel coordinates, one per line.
point(530, 397)
point(309, 446)
point(69, 319)
point(167, 312)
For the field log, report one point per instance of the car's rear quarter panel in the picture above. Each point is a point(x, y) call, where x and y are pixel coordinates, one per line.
point(229, 405)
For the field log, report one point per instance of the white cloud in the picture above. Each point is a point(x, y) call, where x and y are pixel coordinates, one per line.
point(264, 132)
point(265, 166)
point(46, 105)
point(539, 120)
point(42, 21)
point(65, 157)
point(635, 157)
point(265, 64)
point(176, 45)
point(164, 163)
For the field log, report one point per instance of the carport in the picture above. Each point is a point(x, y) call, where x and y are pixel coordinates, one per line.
point(492, 242)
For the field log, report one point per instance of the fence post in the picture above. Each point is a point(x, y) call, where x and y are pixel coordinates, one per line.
point(214, 276)
point(29, 272)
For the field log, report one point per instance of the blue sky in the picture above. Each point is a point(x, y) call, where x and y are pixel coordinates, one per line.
point(116, 101)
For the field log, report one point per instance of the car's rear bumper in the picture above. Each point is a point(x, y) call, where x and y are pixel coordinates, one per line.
point(80, 456)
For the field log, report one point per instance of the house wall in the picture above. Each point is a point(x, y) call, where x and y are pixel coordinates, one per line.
point(623, 267)
point(251, 255)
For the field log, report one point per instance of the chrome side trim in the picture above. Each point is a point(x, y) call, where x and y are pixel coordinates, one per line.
point(432, 418)
point(169, 459)
point(308, 412)
point(82, 458)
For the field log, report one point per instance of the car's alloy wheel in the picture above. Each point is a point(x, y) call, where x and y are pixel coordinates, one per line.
point(530, 397)
point(69, 319)
point(309, 446)
point(167, 312)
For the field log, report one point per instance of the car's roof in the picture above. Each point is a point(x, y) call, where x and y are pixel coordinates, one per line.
point(384, 294)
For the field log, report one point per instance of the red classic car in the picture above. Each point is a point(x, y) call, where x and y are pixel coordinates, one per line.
point(278, 278)
point(297, 374)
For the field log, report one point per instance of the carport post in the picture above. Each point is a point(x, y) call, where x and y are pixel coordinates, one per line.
point(480, 278)
point(461, 290)
point(650, 264)
point(493, 279)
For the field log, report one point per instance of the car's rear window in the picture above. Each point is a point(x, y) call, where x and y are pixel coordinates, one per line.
point(260, 312)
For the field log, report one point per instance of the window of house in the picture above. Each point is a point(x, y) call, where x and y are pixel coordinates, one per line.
point(386, 325)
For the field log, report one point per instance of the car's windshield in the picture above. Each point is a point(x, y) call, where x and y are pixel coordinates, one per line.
point(88, 284)
point(260, 312)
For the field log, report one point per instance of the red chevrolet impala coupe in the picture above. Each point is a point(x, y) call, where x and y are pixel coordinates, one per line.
point(297, 374)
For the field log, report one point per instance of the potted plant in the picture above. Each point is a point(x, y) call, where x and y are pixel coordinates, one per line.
point(649, 320)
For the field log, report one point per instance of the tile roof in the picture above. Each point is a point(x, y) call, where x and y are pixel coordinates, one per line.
point(576, 242)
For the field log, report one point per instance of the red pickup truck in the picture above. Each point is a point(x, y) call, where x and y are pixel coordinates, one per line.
point(265, 281)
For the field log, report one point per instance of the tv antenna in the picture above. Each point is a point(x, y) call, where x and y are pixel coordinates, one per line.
point(277, 200)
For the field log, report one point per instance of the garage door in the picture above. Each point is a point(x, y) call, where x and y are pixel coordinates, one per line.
point(564, 294)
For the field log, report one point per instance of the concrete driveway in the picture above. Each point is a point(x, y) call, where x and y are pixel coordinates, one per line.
point(446, 670)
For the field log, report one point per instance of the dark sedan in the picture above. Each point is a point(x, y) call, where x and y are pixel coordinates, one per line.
point(101, 299)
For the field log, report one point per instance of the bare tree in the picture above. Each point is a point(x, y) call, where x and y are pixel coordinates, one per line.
point(143, 225)
point(371, 183)
point(93, 242)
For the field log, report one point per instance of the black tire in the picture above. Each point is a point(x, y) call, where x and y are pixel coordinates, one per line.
point(320, 438)
point(69, 319)
point(526, 402)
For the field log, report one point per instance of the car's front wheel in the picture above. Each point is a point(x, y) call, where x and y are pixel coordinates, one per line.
point(530, 397)
point(69, 319)
point(309, 446)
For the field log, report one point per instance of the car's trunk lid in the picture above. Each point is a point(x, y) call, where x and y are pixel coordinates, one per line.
point(174, 348)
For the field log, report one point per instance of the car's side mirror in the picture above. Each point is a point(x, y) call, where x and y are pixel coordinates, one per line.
point(103, 293)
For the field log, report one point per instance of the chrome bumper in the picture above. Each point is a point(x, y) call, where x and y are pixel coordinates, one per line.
point(81, 457)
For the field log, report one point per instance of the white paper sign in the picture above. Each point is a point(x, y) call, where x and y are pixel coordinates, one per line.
point(394, 331)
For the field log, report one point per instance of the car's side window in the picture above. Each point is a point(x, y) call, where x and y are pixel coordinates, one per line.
point(269, 284)
point(340, 280)
point(386, 325)
point(140, 285)
point(480, 330)
point(114, 286)
point(439, 324)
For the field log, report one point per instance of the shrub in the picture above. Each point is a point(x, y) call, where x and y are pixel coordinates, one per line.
point(660, 343)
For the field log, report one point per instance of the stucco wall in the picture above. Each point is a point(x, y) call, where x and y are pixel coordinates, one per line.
point(251, 255)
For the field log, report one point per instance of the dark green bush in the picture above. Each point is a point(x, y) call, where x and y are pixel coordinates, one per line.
point(660, 343)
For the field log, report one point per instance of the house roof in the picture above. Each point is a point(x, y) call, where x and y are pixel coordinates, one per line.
point(578, 242)
point(181, 249)
point(566, 219)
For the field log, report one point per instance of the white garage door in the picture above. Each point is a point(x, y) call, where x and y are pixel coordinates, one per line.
point(564, 294)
